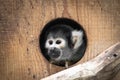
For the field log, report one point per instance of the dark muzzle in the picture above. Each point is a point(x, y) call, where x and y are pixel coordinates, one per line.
point(54, 53)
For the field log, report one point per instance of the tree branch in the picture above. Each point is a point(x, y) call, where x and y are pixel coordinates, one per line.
point(104, 67)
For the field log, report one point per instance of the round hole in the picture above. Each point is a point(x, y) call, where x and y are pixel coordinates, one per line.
point(73, 56)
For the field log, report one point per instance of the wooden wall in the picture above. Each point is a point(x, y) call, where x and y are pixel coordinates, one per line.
point(21, 22)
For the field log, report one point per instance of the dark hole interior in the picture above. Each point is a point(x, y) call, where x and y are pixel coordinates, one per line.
point(64, 21)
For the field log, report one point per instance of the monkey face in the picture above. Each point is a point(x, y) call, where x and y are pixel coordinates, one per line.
point(54, 47)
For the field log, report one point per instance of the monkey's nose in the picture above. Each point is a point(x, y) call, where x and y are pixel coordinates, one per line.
point(54, 53)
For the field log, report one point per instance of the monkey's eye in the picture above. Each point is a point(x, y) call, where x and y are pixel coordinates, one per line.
point(50, 42)
point(58, 41)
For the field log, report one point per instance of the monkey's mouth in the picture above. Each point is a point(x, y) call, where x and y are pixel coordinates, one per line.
point(54, 53)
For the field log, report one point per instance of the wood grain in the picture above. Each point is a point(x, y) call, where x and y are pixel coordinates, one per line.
point(21, 22)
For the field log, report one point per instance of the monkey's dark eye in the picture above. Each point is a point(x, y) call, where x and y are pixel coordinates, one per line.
point(50, 42)
point(58, 41)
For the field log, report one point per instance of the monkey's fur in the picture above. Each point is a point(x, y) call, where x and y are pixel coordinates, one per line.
point(64, 45)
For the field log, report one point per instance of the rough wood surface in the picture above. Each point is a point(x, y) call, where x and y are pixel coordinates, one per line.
point(103, 67)
point(21, 22)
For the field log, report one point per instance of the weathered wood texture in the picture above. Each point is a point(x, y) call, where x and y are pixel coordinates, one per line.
point(103, 67)
point(21, 22)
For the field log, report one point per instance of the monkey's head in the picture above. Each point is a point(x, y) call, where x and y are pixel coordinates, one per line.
point(61, 42)
point(58, 41)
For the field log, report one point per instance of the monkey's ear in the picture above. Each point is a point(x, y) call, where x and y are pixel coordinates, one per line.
point(77, 38)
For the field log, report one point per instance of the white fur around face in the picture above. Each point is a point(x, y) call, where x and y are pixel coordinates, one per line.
point(54, 44)
point(77, 37)
point(47, 45)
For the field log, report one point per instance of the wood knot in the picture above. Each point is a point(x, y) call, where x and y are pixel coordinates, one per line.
point(115, 55)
